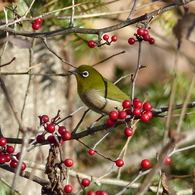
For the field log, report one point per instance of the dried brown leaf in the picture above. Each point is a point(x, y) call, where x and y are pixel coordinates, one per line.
point(167, 189)
point(184, 28)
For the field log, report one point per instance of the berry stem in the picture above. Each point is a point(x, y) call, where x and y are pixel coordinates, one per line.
point(136, 71)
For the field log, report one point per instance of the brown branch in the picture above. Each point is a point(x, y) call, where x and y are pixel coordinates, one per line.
point(27, 175)
point(91, 31)
point(156, 112)
point(8, 62)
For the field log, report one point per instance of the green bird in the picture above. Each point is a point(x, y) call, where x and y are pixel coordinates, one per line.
point(97, 92)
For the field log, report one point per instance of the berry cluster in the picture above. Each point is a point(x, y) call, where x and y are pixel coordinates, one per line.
point(93, 44)
point(97, 193)
point(141, 35)
point(37, 24)
point(137, 109)
point(84, 182)
point(7, 155)
point(59, 133)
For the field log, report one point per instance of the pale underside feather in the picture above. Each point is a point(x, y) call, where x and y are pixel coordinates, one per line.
point(101, 104)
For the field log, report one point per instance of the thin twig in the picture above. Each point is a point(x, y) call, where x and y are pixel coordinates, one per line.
point(8, 62)
point(29, 8)
point(35, 74)
point(28, 84)
point(9, 100)
point(48, 47)
point(116, 54)
point(182, 115)
point(132, 10)
point(80, 121)
point(136, 71)
point(72, 14)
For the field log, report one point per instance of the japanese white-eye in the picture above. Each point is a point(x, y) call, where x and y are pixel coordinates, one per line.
point(96, 92)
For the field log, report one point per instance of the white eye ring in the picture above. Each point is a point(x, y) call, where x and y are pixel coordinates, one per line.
point(85, 74)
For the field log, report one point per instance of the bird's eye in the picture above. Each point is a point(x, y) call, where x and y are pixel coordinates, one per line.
point(85, 74)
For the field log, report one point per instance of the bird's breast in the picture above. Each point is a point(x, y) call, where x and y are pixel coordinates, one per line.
point(95, 100)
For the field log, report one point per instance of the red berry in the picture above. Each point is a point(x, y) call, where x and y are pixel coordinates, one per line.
point(44, 119)
point(136, 100)
point(68, 162)
point(60, 140)
point(149, 114)
point(128, 131)
point(119, 163)
point(10, 149)
point(168, 160)
point(8, 157)
point(35, 26)
point(66, 135)
point(13, 164)
point(85, 182)
point(61, 130)
point(39, 20)
point(147, 106)
point(51, 139)
point(40, 138)
point(146, 32)
point(146, 37)
point(137, 104)
point(151, 41)
point(136, 112)
point(131, 41)
point(106, 37)
point(103, 193)
point(113, 115)
point(50, 128)
point(129, 112)
point(91, 193)
point(126, 104)
point(3, 141)
point(91, 152)
point(140, 31)
point(2, 159)
point(145, 117)
point(68, 189)
point(122, 114)
point(23, 166)
point(145, 164)
point(18, 155)
point(114, 38)
point(98, 192)
point(91, 44)
point(110, 123)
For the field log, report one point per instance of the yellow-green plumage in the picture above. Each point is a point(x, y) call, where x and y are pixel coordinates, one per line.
point(98, 93)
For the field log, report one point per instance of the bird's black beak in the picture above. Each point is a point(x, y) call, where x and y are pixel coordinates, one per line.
point(73, 72)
